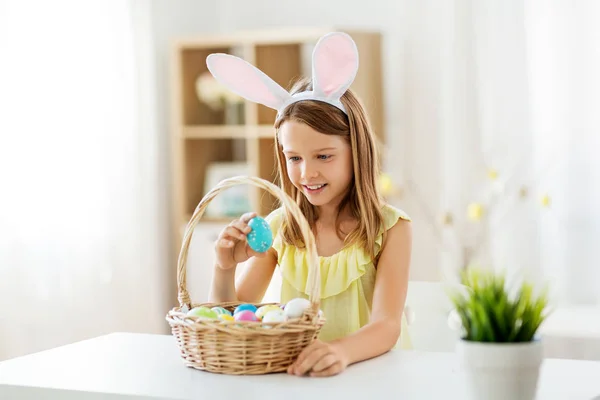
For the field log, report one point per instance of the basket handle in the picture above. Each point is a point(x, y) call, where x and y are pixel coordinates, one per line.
point(309, 239)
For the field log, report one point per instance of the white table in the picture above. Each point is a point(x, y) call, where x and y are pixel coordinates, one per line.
point(573, 332)
point(139, 366)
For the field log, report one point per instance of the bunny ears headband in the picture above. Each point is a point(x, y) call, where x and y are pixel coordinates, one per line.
point(334, 67)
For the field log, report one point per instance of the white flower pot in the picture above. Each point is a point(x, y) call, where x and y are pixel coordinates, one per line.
point(500, 371)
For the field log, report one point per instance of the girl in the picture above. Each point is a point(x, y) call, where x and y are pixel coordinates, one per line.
point(327, 161)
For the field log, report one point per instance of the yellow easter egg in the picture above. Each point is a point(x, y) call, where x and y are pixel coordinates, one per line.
point(225, 317)
point(260, 313)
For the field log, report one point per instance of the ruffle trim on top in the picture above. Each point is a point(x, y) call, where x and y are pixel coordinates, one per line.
point(339, 270)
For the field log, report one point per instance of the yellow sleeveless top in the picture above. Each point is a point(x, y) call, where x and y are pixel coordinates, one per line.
point(347, 279)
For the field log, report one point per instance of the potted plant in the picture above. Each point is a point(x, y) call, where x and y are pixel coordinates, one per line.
point(499, 350)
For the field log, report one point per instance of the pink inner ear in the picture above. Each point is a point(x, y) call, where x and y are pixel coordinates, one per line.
point(244, 79)
point(335, 64)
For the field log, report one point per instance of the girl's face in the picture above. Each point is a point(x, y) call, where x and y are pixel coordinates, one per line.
point(318, 165)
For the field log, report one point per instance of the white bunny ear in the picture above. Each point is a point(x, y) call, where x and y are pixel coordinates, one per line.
point(246, 80)
point(334, 65)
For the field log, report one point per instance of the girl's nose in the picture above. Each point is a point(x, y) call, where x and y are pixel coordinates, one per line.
point(308, 172)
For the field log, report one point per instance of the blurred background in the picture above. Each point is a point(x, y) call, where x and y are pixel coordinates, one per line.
point(111, 133)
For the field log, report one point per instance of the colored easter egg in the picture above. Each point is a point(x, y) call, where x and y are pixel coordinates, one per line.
point(244, 307)
point(221, 310)
point(260, 237)
point(245, 315)
point(203, 312)
point(274, 316)
point(260, 313)
point(226, 317)
point(296, 307)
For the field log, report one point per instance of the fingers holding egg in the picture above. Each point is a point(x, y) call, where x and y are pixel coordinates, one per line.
point(260, 236)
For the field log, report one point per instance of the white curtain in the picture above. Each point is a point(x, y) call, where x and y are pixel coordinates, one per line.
point(564, 51)
point(519, 92)
point(80, 244)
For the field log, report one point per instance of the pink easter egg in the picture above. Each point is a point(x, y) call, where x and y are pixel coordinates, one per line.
point(245, 315)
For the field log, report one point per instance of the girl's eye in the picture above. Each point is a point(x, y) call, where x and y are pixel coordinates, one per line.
point(323, 157)
point(294, 159)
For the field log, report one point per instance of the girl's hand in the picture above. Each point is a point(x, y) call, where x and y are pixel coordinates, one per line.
point(231, 247)
point(319, 359)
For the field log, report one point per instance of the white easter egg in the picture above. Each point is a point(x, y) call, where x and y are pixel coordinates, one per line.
point(296, 307)
point(274, 316)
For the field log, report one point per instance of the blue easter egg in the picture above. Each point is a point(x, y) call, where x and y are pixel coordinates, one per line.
point(244, 307)
point(260, 237)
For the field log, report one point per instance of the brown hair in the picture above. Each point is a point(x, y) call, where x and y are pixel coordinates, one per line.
point(362, 200)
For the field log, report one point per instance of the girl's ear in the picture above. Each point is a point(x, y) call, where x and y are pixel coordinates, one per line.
point(246, 80)
point(334, 65)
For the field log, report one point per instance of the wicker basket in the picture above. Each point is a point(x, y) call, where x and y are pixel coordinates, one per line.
point(244, 347)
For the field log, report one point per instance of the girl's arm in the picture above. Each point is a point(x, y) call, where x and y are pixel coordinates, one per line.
point(232, 249)
point(252, 283)
point(383, 330)
point(256, 277)
point(391, 284)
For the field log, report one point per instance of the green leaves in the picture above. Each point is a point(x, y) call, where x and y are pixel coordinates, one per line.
point(489, 314)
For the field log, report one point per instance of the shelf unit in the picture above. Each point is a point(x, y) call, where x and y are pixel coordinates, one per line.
point(201, 136)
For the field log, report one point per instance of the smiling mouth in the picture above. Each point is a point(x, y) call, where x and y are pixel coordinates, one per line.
point(314, 188)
